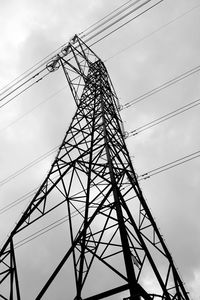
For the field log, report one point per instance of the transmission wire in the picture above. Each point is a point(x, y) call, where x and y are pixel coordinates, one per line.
point(164, 117)
point(5, 88)
point(113, 31)
point(129, 103)
point(153, 32)
point(29, 165)
point(119, 27)
point(131, 133)
point(161, 87)
point(31, 72)
point(18, 87)
point(118, 20)
point(25, 89)
point(144, 176)
point(109, 14)
point(33, 108)
point(24, 77)
point(55, 52)
point(160, 1)
point(99, 39)
point(169, 165)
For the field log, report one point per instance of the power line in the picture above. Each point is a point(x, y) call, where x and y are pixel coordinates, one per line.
point(162, 87)
point(153, 91)
point(13, 83)
point(130, 134)
point(33, 108)
point(29, 165)
point(44, 60)
point(27, 195)
point(35, 235)
point(52, 53)
point(18, 201)
point(39, 159)
point(142, 97)
point(22, 91)
point(164, 118)
point(51, 226)
point(107, 27)
point(96, 41)
point(118, 20)
point(41, 231)
point(119, 27)
point(128, 104)
point(153, 32)
point(169, 165)
point(144, 176)
point(109, 19)
point(109, 14)
point(32, 69)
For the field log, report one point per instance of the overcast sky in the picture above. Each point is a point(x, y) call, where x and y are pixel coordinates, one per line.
point(137, 61)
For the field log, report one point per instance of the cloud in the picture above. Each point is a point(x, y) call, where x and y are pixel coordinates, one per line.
point(29, 31)
point(195, 285)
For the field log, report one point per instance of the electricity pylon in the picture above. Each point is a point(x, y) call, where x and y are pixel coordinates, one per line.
point(110, 226)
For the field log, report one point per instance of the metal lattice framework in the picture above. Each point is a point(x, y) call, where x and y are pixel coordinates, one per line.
point(93, 178)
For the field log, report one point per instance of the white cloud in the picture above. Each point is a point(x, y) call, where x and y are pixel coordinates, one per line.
point(30, 30)
point(195, 286)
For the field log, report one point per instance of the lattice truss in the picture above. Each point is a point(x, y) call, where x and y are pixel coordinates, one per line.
point(110, 226)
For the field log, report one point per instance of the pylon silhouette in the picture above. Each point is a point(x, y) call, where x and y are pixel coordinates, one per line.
point(110, 225)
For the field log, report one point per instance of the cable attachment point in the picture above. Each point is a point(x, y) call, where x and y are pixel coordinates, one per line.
point(53, 64)
point(65, 50)
point(126, 134)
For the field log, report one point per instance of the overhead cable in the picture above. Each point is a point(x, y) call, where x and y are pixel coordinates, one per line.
point(24, 82)
point(164, 118)
point(114, 16)
point(131, 133)
point(59, 48)
point(31, 70)
point(132, 102)
point(106, 16)
point(119, 27)
point(90, 39)
point(18, 201)
point(153, 32)
point(23, 90)
point(29, 165)
point(169, 165)
point(24, 74)
point(56, 51)
point(144, 176)
point(33, 108)
point(161, 87)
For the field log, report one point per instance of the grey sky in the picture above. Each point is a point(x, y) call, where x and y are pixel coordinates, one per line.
point(29, 31)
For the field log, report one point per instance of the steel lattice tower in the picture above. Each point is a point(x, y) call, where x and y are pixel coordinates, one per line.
point(92, 177)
